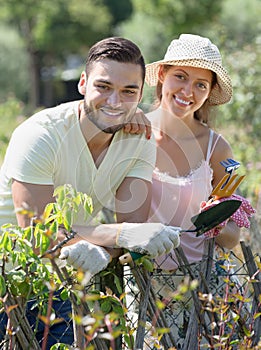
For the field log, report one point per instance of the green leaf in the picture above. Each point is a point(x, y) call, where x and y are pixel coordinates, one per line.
point(45, 243)
point(48, 210)
point(64, 294)
point(78, 199)
point(68, 220)
point(17, 276)
point(88, 204)
point(54, 227)
point(27, 233)
point(247, 332)
point(59, 193)
point(37, 236)
point(24, 289)
point(60, 346)
point(106, 306)
point(147, 263)
point(118, 310)
point(129, 340)
point(118, 284)
point(2, 286)
point(6, 242)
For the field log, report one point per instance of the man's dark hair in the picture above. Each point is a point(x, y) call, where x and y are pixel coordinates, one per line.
point(116, 49)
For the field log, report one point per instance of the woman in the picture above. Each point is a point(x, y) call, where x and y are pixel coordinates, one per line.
point(189, 81)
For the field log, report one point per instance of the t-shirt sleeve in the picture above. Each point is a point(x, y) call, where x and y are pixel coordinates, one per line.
point(30, 155)
point(145, 161)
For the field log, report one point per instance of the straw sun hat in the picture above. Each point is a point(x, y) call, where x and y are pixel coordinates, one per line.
point(195, 51)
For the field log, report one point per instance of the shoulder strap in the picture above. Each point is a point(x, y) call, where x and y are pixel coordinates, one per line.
point(211, 146)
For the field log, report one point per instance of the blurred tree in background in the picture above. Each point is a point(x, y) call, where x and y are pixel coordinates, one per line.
point(53, 30)
point(155, 23)
point(238, 33)
point(13, 65)
point(240, 120)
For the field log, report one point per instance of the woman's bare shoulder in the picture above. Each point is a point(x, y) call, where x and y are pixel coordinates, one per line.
point(221, 152)
point(222, 145)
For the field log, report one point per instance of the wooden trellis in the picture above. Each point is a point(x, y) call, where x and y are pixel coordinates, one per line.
point(23, 338)
point(198, 324)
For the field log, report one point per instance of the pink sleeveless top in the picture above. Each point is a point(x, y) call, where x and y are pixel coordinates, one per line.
point(176, 199)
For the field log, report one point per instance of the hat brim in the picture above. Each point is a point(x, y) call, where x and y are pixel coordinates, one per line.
point(221, 92)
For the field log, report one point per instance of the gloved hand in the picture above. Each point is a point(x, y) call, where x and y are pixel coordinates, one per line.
point(153, 239)
point(240, 217)
point(86, 256)
point(243, 213)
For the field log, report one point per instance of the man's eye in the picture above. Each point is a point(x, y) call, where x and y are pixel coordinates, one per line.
point(130, 92)
point(102, 87)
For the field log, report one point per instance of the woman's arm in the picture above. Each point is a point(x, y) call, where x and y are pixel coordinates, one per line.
point(230, 234)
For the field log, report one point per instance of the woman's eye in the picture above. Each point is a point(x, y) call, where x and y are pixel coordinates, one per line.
point(179, 76)
point(202, 86)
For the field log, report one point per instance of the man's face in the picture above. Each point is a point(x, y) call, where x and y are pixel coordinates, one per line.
point(113, 91)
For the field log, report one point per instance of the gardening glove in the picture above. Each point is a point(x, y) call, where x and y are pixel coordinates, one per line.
point(153, 239)
point(243, 213)
point(240, 217)
point(86, 256)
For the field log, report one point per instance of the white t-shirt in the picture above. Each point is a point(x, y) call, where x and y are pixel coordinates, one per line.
point(49, 149)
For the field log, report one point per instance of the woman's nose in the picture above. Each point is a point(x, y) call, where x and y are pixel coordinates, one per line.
point(188, 89)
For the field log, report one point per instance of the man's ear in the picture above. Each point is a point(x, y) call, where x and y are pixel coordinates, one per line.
point(82, 83)
point(141, 95)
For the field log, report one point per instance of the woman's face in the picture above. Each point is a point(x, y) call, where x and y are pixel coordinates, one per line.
point(184, 89)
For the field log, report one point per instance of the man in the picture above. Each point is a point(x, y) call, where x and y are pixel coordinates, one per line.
point(72, 143)
point(82, 143)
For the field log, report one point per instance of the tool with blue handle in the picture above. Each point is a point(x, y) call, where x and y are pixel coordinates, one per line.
point(230, 166)
point(203, 222)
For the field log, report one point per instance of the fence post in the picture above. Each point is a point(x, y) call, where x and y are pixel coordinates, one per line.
point(254, 273)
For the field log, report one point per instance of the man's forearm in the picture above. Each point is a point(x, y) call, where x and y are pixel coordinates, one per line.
point(103, 235)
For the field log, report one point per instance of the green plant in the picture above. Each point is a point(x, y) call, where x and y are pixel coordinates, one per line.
point(29, 270)
point(233, 313)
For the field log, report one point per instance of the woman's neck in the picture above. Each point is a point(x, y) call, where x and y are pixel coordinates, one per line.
point(167, 124)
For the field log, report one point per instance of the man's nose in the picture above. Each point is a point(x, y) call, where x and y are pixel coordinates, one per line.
point(114, 99)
